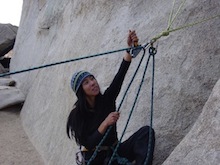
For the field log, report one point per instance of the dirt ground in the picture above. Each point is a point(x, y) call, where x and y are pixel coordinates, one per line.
point(15, 147)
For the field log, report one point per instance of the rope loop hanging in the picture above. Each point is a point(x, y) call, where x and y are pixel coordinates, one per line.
point(152, 52)
point(118, 109)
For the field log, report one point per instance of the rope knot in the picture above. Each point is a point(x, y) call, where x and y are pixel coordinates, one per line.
point(165, 33)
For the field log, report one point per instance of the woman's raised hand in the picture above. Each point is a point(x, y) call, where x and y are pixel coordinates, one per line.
point(132, 39)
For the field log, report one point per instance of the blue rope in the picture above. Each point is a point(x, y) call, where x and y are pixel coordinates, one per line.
point(123, 98)
point(119, 159)
point(66, 61)
point(132, 109)
point(152, 52)
point(115, 155)
point(132, 79)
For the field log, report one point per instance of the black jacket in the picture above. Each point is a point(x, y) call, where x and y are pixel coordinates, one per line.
point(104, 105)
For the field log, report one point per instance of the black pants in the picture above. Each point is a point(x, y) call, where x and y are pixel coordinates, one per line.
point(135, 148)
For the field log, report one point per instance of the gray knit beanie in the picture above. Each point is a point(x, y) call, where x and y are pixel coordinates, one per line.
point(78, 78)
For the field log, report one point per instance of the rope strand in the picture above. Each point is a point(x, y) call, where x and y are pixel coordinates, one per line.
point(131, 111)
point(171, 15)
point(63, 62)
point(118, 109)
point(151, 112)
point(154, 39)
point(167, 32)
point(177, 13)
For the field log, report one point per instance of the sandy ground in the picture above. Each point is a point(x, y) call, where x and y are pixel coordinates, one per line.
point(15, 147)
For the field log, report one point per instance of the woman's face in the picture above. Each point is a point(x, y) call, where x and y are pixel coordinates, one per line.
point(90, 86)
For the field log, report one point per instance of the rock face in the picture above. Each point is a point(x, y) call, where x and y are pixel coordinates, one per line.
point(9, 94)
point(8, 34)
point(201, 145)
point(187, 68)
point(3, 69)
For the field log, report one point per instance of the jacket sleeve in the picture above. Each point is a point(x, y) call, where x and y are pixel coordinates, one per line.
point(93, 140)
point(110, 94)
point(113, 90)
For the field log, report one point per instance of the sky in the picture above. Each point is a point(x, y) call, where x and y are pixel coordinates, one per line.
point(10, 11)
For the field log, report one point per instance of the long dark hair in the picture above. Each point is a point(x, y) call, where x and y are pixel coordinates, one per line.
point(77, 117)
point(75, 121)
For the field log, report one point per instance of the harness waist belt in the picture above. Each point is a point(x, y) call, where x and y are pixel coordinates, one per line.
point(101, 148)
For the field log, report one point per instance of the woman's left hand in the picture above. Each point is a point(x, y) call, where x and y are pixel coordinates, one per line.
point(111, 119)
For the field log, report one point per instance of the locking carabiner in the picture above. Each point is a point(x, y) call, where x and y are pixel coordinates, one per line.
point(152, 50)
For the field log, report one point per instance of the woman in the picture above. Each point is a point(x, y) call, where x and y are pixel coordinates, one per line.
point(95, 112)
